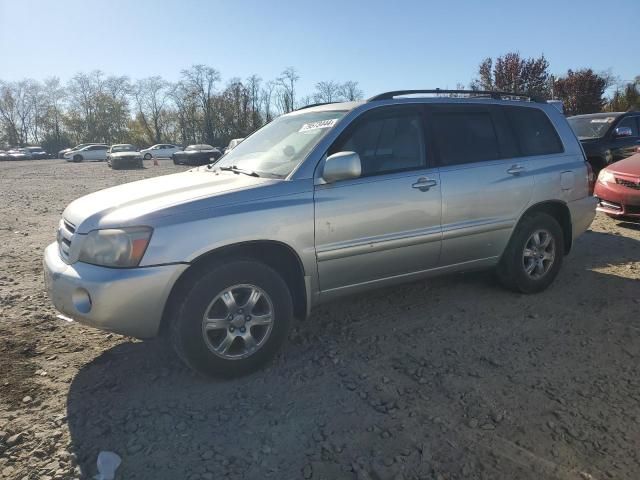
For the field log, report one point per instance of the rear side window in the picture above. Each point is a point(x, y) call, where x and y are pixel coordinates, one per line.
point(465, 136)
point(534, 131)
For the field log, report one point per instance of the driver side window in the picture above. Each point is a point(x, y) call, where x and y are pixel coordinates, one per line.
point(386, 142)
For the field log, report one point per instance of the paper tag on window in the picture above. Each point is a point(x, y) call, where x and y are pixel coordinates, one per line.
point(603, 120)
point(320, 124)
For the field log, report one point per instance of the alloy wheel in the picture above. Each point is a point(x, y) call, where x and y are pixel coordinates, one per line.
point(238, 321)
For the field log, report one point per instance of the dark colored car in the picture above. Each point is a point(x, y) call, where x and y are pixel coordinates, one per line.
point(37, 153)
point(607, 137)
point(618, 189)
point(201, 154)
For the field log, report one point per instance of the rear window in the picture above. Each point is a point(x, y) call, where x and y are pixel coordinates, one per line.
point(465, 137)
point(534, 131)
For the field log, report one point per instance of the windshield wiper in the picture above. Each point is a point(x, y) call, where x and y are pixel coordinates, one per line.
point(235, 169)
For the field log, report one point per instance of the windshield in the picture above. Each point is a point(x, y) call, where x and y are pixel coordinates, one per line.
point(591, 126)
point(277, 148)
point(199, 147)
point(123, 148)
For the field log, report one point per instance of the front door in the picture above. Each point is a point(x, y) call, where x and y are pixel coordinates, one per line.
point(385, 223)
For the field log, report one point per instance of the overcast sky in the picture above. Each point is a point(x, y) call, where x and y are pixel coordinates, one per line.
point(384, 45)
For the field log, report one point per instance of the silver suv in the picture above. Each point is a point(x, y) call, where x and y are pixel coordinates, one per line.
point(325, 201)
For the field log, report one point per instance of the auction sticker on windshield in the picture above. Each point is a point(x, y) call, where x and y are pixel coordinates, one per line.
point(319, 124)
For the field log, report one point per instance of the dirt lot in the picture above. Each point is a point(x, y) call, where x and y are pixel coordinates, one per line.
point(446, 379)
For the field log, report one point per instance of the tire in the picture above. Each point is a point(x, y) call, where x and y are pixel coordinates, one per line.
point(522, 254)
point(147, 156)
point(77, 158)
point(204, 350)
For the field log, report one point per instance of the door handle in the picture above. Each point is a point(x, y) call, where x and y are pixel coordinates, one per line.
point(516, 170)
point(423, 184)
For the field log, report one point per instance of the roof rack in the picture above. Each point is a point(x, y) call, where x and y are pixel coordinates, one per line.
point(315, 105)
point(496, 95)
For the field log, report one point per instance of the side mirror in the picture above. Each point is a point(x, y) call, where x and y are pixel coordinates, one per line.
point(622, 132)
point(342, 166)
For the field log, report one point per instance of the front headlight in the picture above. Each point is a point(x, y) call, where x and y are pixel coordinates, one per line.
point(606, 177)
point(121, 248)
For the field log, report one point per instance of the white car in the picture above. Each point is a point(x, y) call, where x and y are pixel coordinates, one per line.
point(161, 150)
point(90, 153)
point(233, 144)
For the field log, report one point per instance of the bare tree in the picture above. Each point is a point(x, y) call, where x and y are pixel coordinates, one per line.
point(253, 89)
point(286, 95)
point(202, 80)
point(350, 91)
point(266, 97)
point(327, 92)
point(151, 95)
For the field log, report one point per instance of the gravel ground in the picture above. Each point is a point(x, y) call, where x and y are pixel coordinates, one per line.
point(449, 378)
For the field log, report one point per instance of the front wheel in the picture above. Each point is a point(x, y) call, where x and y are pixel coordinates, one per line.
point(78, 158)
point(534, 254)
point(231, 318)
point(147, 156)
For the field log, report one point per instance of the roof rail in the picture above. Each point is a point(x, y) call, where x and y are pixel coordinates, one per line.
point(315, 105)
point(496, 95)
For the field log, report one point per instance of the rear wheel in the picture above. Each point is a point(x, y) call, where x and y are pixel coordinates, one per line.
point(534, 254)
point(232, 318)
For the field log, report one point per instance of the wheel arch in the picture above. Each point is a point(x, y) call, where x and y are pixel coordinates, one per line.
point(558, 210)
point(277, 255)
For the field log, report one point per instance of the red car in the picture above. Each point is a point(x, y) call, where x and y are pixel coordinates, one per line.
point(618, 188)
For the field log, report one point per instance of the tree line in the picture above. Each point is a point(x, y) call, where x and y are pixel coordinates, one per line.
point(95, 107)
point(581, 91)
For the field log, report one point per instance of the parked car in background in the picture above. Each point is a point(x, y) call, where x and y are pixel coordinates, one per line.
point(618, 188)
point(200, 154)
point(124, 155)
point(90, 153)
point(607, 137)
point(61, 153)
point(233, 144)
point(4, 155)
point(161, 150)
point(19, 154)
point(37, 153)
point(323, 202)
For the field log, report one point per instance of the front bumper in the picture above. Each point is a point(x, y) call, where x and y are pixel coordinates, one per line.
point(127, 301)
point(618, 200)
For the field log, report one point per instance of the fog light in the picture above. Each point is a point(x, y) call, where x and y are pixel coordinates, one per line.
point(81, 300)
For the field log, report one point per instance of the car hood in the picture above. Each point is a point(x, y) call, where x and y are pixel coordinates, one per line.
point(124, 154)
point(627, 166)
point(144, 201)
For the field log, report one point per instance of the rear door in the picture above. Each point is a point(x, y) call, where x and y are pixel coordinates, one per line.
point(485, 185)
point(386, 223)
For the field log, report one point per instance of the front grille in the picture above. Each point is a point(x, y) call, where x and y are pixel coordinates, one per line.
point(628, 183)
point(65, 237)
